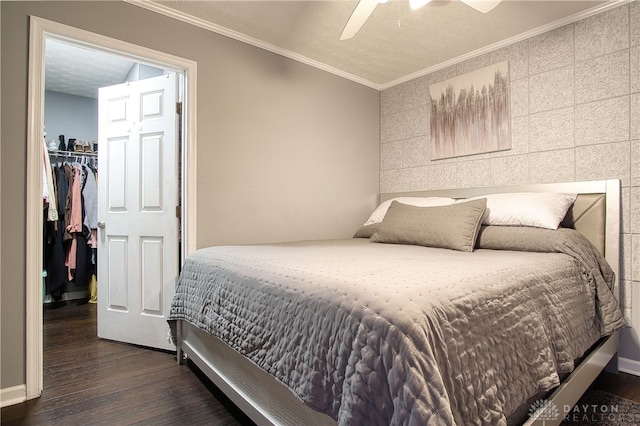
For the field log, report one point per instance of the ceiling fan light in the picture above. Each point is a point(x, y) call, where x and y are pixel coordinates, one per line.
point(416, 4)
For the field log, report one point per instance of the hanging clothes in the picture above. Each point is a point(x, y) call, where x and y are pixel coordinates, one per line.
point(75, 219)
point(68, 173)
point(57, 245)
point(49, 186)
point(90, 199)
point(70, 240)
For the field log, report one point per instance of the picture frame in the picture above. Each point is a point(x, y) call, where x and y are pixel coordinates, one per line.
point(470, 113)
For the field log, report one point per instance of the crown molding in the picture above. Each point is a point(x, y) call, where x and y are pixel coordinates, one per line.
point(189, 19)
point(511, 40)
point(172, 13)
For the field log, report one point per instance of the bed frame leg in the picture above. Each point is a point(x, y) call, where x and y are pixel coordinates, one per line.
point(180, 355)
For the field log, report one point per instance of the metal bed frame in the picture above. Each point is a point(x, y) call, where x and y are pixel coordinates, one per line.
point(266, 401)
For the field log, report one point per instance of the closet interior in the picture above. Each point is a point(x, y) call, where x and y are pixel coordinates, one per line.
point(70, 216)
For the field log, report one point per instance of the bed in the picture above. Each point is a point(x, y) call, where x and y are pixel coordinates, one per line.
point(468, 320)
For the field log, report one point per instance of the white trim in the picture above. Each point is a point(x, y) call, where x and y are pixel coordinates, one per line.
point(192, 20)
point(509, 41)
point(40, 30)
point(629, 366)
point(190, 160)
point(185, 17)
point(13, 395)
point(33, 273)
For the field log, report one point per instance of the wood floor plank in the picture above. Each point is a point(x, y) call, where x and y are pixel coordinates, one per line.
point(92, 381)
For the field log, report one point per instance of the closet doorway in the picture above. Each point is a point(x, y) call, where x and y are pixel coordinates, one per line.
point(142, 151)
point(74, 77)
point(130, 184)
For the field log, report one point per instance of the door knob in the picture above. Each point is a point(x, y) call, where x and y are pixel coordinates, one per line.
point(101, 224)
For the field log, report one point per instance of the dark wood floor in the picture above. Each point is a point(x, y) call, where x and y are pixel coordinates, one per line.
point(621, 384)
point(91, 381)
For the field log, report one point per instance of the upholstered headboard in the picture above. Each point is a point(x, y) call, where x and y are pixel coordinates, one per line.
point(588, 215)
point(595, 213)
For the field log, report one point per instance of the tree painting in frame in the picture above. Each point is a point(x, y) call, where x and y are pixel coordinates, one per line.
point(470, 113)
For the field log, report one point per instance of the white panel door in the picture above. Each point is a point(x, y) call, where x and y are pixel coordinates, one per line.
point(138, 193)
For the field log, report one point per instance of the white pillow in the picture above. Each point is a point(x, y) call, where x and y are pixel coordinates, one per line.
point(378, 213)
point(536, 209)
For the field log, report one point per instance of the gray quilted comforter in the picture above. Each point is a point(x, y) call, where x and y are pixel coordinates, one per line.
point(380, 334)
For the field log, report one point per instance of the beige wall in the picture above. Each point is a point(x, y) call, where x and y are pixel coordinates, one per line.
point(575, 116)
point(285, 151)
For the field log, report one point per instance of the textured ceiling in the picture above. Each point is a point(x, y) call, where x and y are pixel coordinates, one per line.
point(395, 44)
point(79, 71)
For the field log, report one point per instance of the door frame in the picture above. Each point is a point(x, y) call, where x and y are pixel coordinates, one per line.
point(41, 30)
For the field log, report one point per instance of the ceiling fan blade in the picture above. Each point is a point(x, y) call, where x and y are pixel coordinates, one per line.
point(484, 6)
point(358, 17)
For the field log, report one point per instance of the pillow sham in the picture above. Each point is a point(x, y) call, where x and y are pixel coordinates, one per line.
point(519, 238)
point(452, 226)
point(543, 240)
point(366, 231)
point(381, 210)
point(536, 209)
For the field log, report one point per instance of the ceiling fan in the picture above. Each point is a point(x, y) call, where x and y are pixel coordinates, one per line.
point(365, 8)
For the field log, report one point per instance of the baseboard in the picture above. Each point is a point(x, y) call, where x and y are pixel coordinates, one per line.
point(630, 366)
point(70, 295)
point(13, 395)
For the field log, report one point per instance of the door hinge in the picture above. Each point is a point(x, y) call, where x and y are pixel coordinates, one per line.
point(179, 108)
point(179, 212)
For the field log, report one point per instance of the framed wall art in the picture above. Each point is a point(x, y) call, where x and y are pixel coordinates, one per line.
point(470, 114)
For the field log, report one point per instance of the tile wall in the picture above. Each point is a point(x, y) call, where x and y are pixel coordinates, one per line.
point(575, 115)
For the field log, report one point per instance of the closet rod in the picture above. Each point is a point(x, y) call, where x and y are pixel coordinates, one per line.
point(72, 153)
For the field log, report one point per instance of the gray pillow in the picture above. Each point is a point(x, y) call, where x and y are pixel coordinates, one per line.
point(366, 231)
point(453, 227)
